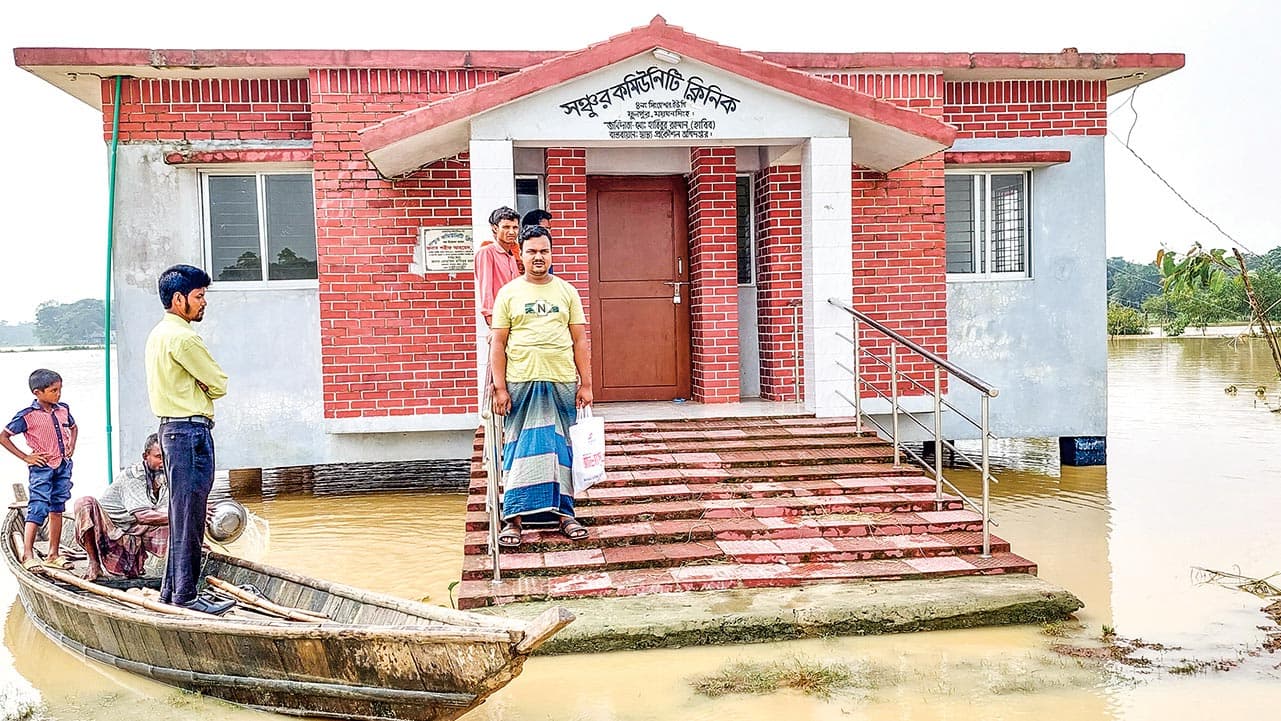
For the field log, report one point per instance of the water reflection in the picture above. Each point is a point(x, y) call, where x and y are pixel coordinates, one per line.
point(1191, 482)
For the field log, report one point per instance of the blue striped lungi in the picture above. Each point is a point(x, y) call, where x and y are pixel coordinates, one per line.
point(537, 483)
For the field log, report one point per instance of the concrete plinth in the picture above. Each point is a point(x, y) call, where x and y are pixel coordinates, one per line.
point(706, 618)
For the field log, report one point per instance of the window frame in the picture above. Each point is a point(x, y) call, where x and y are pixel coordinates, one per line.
point(206, 223)
point(982, 236)
point(542, 190)
point(751, 229)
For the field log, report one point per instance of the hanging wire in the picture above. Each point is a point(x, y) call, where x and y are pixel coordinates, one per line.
point(1126, 144)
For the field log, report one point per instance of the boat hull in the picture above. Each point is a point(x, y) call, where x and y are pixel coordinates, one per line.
point(378, 658)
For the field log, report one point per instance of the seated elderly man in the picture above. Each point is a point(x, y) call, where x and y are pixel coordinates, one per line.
point(131, 519)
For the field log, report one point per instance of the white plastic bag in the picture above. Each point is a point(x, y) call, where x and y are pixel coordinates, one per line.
point(587, 442)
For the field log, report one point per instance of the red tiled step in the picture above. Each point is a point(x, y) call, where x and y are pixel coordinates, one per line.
point(616, 494)
point(728, 430)
point(661, 476)
point(697, 442)
point(720, 576)
point(740, 529)
point(748, 508)
point(786, 551)
point(613, 447)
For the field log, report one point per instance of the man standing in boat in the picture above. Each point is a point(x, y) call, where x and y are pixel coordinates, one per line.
point(182, 381)
point(542, 370)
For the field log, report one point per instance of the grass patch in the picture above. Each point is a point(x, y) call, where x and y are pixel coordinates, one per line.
point(813, 678)
point(1060, 629)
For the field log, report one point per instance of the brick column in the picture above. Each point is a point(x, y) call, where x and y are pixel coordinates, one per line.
point(778, 279)
point(713, 264)
point(566, 191)
point(899, 266)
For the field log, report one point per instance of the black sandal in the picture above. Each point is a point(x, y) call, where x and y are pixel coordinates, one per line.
point(509, 536)
point(572, 529)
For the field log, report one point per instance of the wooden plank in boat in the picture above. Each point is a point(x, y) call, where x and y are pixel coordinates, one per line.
point(245, 655)
point(458, 666)
point(308, 659)
point(134, 644)
point(387, 664)
point(103, 637)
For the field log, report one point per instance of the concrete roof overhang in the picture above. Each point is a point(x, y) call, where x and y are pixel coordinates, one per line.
point(76, 71)
point(888, 136)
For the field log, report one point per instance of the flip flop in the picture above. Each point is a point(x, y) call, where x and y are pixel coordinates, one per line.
point(57, 562)
point(32, 564)
point(509, 536)
point(572, 529)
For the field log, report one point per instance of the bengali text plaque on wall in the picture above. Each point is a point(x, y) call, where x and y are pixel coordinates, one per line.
point(445, 250)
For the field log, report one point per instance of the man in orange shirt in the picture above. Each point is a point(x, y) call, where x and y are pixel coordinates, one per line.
point(497, 263)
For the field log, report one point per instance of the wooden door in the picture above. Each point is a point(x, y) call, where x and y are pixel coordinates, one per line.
point(638, 250)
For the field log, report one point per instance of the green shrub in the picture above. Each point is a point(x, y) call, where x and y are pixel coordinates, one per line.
point(1124, 320)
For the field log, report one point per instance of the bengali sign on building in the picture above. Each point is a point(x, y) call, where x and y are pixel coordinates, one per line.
point(444, 250)
point(656, 104)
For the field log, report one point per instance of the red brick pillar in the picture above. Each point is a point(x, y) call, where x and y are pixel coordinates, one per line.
point(713, 263)
point(566, 191)
point(900, 265)
point(778, 280)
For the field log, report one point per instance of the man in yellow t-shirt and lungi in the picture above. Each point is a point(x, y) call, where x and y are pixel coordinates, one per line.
point(542, 372)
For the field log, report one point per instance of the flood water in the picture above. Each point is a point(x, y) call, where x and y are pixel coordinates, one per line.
point(1192, 481)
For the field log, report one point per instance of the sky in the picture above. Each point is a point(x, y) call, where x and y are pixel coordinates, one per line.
point(1203, 127)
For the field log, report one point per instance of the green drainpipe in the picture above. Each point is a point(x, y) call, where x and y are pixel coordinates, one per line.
point(111, 237)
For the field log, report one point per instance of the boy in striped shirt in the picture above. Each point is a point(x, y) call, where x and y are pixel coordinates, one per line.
point(51, 433)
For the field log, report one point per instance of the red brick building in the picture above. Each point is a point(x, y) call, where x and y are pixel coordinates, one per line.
point(706, 202)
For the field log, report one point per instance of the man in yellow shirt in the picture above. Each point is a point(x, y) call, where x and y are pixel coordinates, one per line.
point(182, 381)
point(542, 371)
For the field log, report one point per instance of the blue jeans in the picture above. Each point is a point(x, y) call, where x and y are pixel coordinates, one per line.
point(49, 489)
point(189, 464)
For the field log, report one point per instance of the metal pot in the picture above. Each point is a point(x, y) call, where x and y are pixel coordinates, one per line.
point(227, 521)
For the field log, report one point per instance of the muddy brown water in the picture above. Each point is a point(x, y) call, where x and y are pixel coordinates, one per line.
point(1193, 480)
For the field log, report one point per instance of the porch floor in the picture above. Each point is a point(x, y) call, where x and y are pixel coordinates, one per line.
point(669, 411)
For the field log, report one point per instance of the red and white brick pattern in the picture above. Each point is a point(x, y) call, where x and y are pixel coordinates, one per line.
point(195, 110)
point(392, 343)
point(899, 264)
point(1026, 108)
point(566, 191)
point(713, 242)
point(779, 286)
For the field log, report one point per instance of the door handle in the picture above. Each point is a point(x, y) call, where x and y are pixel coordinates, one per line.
point(676, 289)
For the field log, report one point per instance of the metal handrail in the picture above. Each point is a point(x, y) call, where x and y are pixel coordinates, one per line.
point(979, 384)
point(492, 455)
point(909, 379)
point(940, 366)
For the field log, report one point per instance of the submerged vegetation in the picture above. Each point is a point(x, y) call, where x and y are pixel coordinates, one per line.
point(814, 678)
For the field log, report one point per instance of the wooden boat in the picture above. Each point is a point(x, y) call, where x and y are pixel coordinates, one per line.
point(373, 657)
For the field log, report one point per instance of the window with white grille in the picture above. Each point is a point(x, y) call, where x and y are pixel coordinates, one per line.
point(988, 223)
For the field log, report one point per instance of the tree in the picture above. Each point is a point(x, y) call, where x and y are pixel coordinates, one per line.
point(1124, 320)
point(1200, 268)
point(1131, 283)
point(17, 334)
point(78, 323)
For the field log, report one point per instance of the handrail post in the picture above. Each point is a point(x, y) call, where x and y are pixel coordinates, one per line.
point(987, 532)
point(796, 350)
point(894, 399)
point(938, 439)
point(492, 450)
point(858, 381)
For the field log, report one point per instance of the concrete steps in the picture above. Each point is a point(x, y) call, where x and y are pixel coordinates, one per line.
point(707, 577)
point(736, 503)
